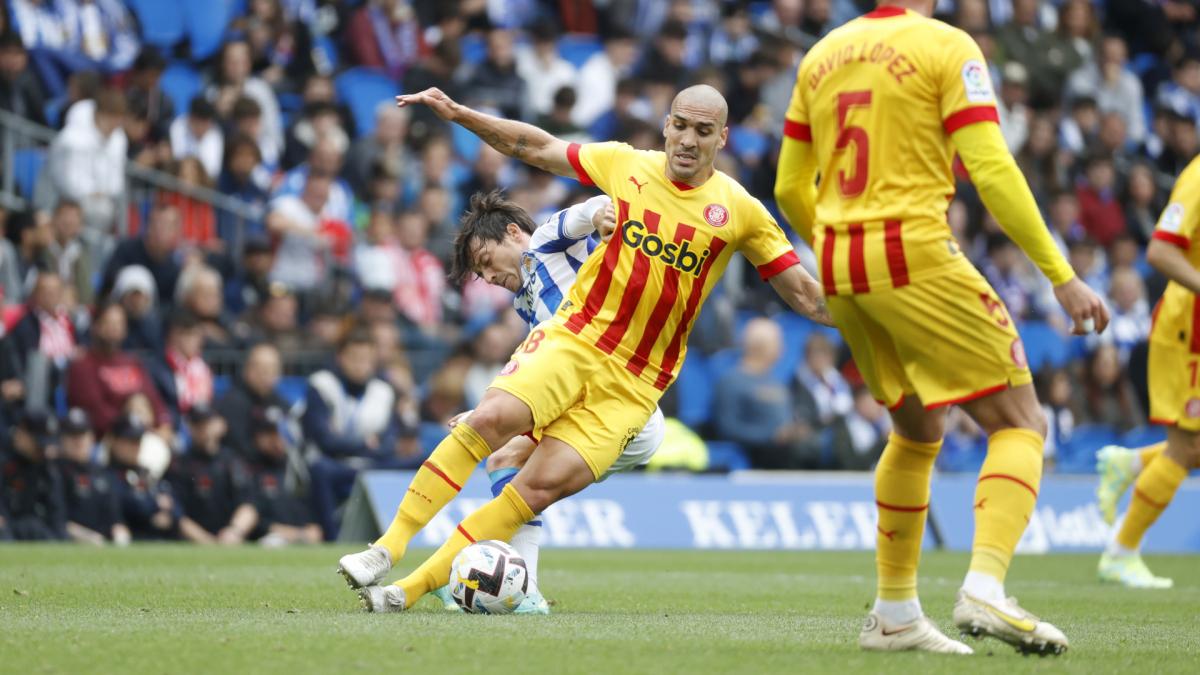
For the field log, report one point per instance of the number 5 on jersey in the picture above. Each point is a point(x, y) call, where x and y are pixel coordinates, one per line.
point(852, 185)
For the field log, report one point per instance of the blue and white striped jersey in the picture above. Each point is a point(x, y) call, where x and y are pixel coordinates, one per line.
point(557, 249)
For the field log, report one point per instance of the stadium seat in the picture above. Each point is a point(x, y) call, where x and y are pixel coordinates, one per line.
point(291, 388)
point(1140, 437)
point(577, 49)
point(1044, 347)
point(726, 456)
point(474, 49)
point(466, 144)
point(430, 434)
point(1078, 455)
point(363, 89)
point(181, 82)
point(695, 387)
point(206, 21)
point(221, 384)
point(162, 21)
point(27, 164)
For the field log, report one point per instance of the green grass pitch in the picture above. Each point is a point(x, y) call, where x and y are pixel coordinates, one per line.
point(177, 609)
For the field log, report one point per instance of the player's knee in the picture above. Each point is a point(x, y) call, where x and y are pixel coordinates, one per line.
point(504, 458)
point(1036, 421)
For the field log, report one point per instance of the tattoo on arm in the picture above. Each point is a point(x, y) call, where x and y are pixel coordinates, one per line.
point(519, 150)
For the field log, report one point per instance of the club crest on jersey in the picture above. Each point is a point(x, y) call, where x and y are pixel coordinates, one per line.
point(510, 367)
point(977, 83)
point(716, 215)
point(679, 256)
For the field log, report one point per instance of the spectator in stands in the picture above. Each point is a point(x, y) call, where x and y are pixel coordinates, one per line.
point(1110, 82)
point(146, 92)
point(435, 70)
point(147, 506)
point(40, 345)
point(495, 83)
point(200, 292)
point(87, 165)
point(1099, 211)
point(142, 148)
point(384, 34)
point(232, 81)
point(558, 120)
point(384, 146)
point(490, 350)
point(277, 320)
point(1064, 220)
point(316, 121)
point(421, 277)
point(197, 220)
point(103, 378)
point(180, 374)
point(240, 180)
point(31, 491)
point(248, 121)
point(733, 40)
point(663, 63)
point(754, 408)
point(135, 292)
point(64, 253)
point(602, 71)
point(198, 135)
point(20, 93)
point(212, 486)
point(93, 507)
point(1142, 202)
point(250, 283)
point(1042, 161)
point(252, 394)
point(350, 424)
point(156, 250)
point(859, 441)
point(12, 267)
point(1130, 323)
point(1063, 51)
point(542, 69)
point(1080, 130)
point(1182, 92)
point(284, 518)
point(325, 160)
point(822, 396)
point(296, 223)
point(1015, 116)
point(1180, 145)
point(1108, 395)
point(1055, 393)
point(282, 50)
point(1006, 270)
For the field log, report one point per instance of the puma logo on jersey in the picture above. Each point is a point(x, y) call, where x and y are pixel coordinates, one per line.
point(639, 185)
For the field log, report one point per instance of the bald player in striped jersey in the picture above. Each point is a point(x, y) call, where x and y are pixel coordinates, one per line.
point(881, 105)
point(587, 380)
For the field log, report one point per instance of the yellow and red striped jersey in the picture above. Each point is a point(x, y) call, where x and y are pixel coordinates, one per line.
point(879, 98)
point(637, 296)
point(1177, 315)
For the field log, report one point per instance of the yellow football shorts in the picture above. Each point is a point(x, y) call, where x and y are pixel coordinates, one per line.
point(948, 339)
point(1172, 376)
point(578, 394)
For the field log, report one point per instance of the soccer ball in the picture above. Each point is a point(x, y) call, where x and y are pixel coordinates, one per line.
point(488, 577)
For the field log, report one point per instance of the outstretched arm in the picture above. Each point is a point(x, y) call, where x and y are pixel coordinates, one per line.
point(795, 186)
point(802, 293)
point(516, 139)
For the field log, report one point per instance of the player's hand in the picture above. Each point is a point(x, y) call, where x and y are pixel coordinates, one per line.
point(1086, 309)
point(605, 221)
point(439, 102)
point(458, 418)
point(229, 537)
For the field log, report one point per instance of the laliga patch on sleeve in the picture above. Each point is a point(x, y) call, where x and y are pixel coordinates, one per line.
point(1172, 218)
point(977, 82)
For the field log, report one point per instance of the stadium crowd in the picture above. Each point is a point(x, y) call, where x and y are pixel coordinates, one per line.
point(142, 369)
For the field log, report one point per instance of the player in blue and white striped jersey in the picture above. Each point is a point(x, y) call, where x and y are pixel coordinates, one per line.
point(499, 243)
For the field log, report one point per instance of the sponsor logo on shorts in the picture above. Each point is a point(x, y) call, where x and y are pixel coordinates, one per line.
point(510, 367)
point(977, 83)
point(1018, 354)
point(1192, 409)
point(716, 215)
point(629, 436)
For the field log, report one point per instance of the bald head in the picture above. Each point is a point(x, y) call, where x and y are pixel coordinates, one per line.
point(701, 100)
point(695, 131)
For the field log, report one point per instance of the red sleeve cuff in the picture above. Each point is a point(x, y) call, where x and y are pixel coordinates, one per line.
point(1172, 238)
point(778, 265)
point(796, 130)
point(979, 113)
point(580, 172)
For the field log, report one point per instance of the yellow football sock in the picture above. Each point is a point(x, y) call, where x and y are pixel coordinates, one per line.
point(1153, 491)
point(437, 482)
point(1148, 453)
point(1005, 497)
point(498, 519)
point(902, 500)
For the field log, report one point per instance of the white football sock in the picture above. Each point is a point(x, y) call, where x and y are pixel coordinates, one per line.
point(899, 612)
point(985, 587)
point(526, 542)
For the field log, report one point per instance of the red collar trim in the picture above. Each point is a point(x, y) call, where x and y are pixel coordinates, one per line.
point(885, 12)
point(682, 186)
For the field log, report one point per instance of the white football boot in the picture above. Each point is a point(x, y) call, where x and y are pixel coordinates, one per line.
point(921, 635)
point(365, 568)
point(381, 599)
point(1009, 623)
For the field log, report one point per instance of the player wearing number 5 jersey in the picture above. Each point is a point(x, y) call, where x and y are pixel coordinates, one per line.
point(879, 109)
point(588, 379)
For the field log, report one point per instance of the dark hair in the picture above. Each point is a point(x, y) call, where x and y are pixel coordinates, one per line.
point(67, 203)
point(182, 320)
point(10, 39)
point(202, 108)
point(150, 59)
point(110, 102)
point(486, 220)
point(236, 142)
point(244, 108)
point(564, 97)
point(357, 335)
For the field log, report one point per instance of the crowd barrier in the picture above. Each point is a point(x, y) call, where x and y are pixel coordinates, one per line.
point(771, 511)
